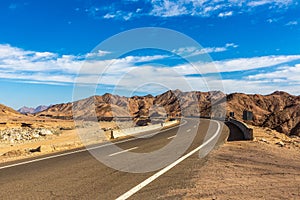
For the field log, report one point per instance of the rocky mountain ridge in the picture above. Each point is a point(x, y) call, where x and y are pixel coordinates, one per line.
point(279, 111)
point(29, 110)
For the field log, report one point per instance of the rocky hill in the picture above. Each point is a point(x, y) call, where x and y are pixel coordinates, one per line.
point(279, 110)
point(7, 111)
point(27, 110)
point(171, 104)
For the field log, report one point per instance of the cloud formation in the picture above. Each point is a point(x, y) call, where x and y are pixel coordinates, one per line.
point(203, 8)
point(193, 51)
point(292, 23)
point(269, 72)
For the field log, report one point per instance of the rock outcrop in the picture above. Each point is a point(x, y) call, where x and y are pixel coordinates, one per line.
point(279, 111)
point(16, 135)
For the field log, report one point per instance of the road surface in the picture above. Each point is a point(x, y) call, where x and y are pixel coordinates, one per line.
point(78, 175)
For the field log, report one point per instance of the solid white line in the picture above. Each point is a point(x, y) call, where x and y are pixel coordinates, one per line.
point(171, 137)
point(82, 150)
point(164, 170)
point(188, 130)
point(126, 150)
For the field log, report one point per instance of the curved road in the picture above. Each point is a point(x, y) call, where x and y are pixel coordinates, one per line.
point(78, 175)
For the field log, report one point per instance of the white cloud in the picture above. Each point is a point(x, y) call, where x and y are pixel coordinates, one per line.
point(16, 63)
point(287, 74)
point(271, 21)
point(256, 87)
point(128, 16)
point(175, 77)
point(292, 23)
point(128, 10)
point(277, 3)
point(120, 15)
point(168, 8)
point(50, 68)
point(231, 45)
point(225, 14)
point(99, 53)
point(193, 51)
point(45, 55)
point(252, 63)
point(234, 65)
point(258, 3)
point(109, 16)
point(207, 8)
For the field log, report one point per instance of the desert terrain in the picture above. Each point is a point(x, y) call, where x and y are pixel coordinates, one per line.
point(56, 127)
point(266, 168)
point(258, 169)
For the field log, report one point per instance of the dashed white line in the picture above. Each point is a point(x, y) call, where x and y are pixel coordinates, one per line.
point(164, 170)
point(171, 137)
point(189, 130)
point(126, 150)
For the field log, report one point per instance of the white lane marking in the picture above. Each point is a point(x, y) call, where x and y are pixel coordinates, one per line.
point(126, 150)
point(82, 150)
point(171, 137)
point(195, 126)
point(188, 130)
point(164, 170)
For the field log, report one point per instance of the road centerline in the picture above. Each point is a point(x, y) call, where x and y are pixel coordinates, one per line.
point(166, 169)
point(82, 150)
point(120, 152)
point(171, 137)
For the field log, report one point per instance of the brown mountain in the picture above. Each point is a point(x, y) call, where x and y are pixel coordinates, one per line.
point(278, 110)
point(171, 103)
point(26, 110)
point(7, 111)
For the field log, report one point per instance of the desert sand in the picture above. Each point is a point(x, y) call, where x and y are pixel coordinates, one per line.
point(259, 169)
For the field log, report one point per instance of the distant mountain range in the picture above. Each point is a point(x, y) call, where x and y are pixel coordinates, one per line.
point(279, 111)
point(27, 110)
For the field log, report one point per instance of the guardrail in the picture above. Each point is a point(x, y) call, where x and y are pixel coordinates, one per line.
point(136, 130)
point(248, 132)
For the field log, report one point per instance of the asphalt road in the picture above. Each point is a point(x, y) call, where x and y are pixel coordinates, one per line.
point(80, 175)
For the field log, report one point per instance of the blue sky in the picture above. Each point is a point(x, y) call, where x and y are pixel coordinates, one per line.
point(254, 47)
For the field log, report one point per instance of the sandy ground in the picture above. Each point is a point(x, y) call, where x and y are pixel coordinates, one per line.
point(79, 136)
point(259, 169)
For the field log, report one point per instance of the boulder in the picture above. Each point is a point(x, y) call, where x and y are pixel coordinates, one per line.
point(280, 143)
point(45, 132)
point(42, 148)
